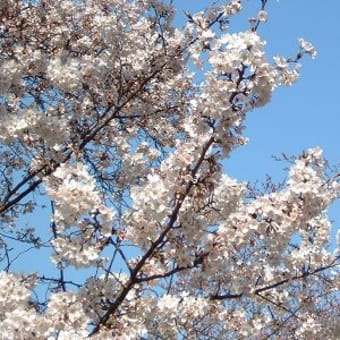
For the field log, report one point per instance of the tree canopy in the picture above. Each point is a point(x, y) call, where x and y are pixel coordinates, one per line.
point(107, 132)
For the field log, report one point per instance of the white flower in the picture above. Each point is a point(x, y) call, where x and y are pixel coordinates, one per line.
point(307, 47)
point(262, 16)
point(281, 62)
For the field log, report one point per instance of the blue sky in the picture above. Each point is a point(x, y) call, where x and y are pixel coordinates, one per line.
point(304, 115)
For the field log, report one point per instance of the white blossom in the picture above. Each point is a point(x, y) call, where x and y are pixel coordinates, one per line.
point(262, 16)
point(307, 47)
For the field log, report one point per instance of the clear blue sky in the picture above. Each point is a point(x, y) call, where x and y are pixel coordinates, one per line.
point(304, 115)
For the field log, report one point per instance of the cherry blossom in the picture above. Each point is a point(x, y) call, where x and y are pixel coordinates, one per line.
point(114, 127)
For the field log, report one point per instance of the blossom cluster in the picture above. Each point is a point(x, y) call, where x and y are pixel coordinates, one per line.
point(74, 194)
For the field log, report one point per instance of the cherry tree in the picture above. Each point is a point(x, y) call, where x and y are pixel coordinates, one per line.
point(106, 129)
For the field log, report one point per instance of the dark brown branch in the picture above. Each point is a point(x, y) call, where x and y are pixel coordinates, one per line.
point(155, 244)
point(279, 283)
point(199, 260)
point(298, 277)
